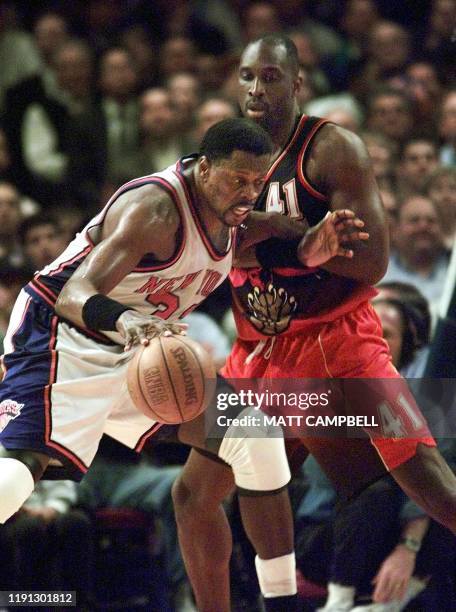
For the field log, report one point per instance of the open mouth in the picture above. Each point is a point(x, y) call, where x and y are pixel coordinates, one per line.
point(241, 211)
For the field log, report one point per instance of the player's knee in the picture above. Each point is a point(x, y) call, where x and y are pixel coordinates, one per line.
point(259, 463)
point(187, 503)
point(35, 462)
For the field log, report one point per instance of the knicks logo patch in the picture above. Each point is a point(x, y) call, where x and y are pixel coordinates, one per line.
point(9, 410)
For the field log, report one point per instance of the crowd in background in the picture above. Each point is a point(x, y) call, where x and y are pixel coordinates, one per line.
point(96, 92)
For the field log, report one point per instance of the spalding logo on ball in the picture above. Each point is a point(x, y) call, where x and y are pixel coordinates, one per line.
point(172, 379)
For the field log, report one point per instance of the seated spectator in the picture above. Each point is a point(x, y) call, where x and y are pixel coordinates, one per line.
point(120, 478)
point(48, 544)
point(42, 240)
point(447, 129)
point(342, 109)
point(12, 279)
point(185, 92)
point(382, 152)
point(440, 186)
point(391, 113)
point(418, 158)
point(397, 548)
point(10, 218)
point(161, 143)
point(211, 111)
point(419, 257)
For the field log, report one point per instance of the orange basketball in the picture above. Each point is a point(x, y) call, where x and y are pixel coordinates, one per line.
point(171, 380)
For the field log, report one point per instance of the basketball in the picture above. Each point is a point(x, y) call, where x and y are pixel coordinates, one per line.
point(171, 380)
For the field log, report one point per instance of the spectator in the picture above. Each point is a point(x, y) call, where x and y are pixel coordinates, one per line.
point(161, 144)
point(119, 478)
point(418, 158)
point(177, 54)
point(382, 151)
point(419, 257)
point(12, 279)
point(390, 112)
point(258, 19)
point(441, 188)
point(388, 53)
point(211, 111)
point(342, 109)
point(41, 239)
point(10, 218)
point(138, 42)
point(185, 92)
point(447, 129)
point(48, 544)
point(19, 57)
point(7, 174)
point(391, 207)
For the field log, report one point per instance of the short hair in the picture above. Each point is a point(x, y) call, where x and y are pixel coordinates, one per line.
point(281, 40)
point(33, 221)
point(417, 308)
point(235, 134)
point(385, 91)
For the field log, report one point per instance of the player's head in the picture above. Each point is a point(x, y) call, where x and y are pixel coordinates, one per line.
point(269, 81)
point(234, 158)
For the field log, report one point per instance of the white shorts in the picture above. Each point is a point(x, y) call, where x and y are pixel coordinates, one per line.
point(63, 389)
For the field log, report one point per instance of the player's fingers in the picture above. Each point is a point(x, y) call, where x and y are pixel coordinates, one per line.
point(346, 224)
point(343, 213)
point(345, 252)
point(353, 236)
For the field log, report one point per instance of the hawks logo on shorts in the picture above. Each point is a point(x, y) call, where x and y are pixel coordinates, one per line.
point(270, 309)
point(9, 410)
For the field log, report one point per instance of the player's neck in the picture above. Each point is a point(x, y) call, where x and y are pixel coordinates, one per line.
point(282, 134)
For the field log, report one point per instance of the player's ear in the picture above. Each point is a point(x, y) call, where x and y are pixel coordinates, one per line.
point(204, 165)
point(297, 83)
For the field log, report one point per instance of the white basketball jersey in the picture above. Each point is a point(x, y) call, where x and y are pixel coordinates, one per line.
point(168, 290)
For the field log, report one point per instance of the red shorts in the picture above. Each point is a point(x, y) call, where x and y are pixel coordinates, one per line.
point(351, 347)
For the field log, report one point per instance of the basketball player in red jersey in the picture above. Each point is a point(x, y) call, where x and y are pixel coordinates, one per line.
point(298, 319)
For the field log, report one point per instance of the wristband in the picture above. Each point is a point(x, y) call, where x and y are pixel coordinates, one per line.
point(100, 313)
point(411, 544)
point(278, 253)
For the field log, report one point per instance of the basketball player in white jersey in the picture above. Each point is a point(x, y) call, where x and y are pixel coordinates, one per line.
point(158, 248)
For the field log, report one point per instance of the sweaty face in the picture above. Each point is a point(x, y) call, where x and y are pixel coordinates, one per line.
point(267, 86)
point(231, 186)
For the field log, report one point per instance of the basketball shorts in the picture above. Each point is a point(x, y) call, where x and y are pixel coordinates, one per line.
point(353, 358)
point(62, 390)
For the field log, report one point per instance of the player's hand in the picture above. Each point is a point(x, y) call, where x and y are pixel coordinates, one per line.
point(137, 328)
point(329, 238)
point(393, 577)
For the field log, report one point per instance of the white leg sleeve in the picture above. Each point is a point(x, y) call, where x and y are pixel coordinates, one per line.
point(277, 577)
point(256, 453)
point(16, 485)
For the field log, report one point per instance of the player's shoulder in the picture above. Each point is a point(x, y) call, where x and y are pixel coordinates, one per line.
point(334, 144)
point(143, 208)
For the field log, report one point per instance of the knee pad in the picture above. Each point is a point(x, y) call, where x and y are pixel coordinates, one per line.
point(16, 485)
point(256, 453)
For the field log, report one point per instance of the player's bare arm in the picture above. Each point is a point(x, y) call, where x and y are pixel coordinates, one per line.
point(339, 166)
point(314, 246)
point(261, 226)
point(144, 220)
